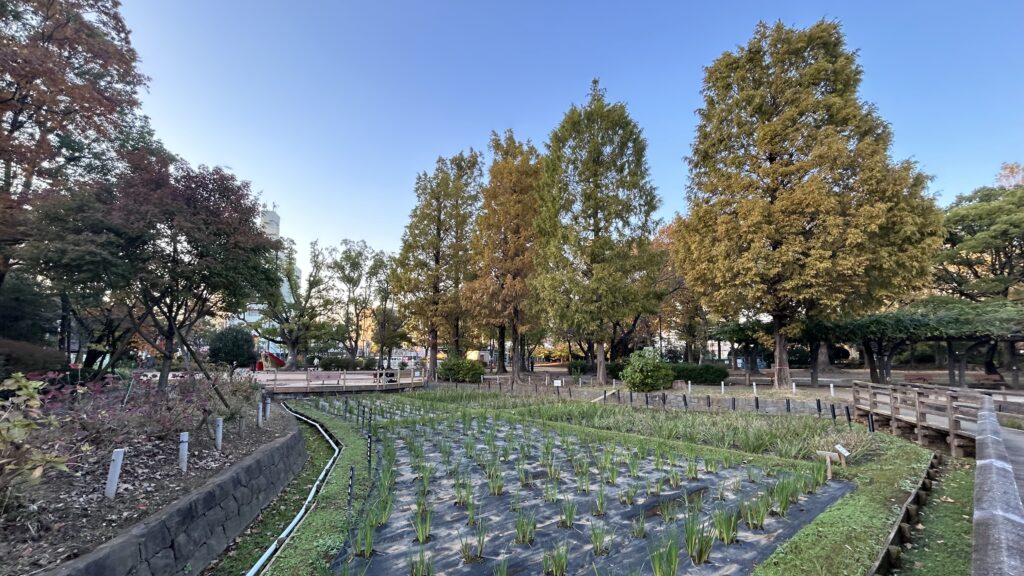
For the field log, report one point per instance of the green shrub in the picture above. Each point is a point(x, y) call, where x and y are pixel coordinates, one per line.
point(580, 367)
point(700, 373)
point(615, 369)
point(25, 357)
point(646, 372)
point(336, 363)
point(23, 463)
point(460, 370)
point(233, 346)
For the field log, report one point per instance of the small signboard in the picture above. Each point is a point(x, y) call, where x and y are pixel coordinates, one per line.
point(557, 383)
point(843, 451)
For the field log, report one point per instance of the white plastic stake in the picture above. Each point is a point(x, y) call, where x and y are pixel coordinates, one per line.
point(218, 433)
point(266, 416)
point(114, 474)
point(259, 414)
point(832, 389)
point(723, 387)
point(689, 387)
point(755, 388)
point(183, 451)
point(793, 384)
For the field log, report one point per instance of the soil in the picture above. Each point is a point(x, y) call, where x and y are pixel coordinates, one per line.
point(66, 514)
point(395, 547)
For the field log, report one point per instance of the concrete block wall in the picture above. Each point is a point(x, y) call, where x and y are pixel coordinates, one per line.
point(184, 537)
point(998, 515)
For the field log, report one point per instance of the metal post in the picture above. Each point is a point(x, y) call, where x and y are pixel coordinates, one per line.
point(818, 402)
point(218, 433)
point(757, 404)
point(686, 405)
point(733, 403)
point(833, 408)
point(849, 419)
point(787, 405)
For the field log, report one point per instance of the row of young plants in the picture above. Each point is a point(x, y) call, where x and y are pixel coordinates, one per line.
point(790, 437)
point(481, 448)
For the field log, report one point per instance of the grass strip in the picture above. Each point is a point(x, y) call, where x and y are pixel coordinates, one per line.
point(316, 541)
point(942, 539)
point(847, 537)
point(245, 551)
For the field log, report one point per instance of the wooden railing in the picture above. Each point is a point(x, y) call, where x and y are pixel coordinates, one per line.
point(926, 410)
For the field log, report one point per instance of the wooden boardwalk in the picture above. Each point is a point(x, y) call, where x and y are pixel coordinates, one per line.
point(929, 412)
point(339, 382)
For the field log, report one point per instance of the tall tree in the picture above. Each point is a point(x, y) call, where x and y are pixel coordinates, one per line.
point(292, 312)
point(67, 80)
point(434, 260)
point(595, 221)
point(796, 208)
point(351, 268)
point(388, 331)
point(504, 242)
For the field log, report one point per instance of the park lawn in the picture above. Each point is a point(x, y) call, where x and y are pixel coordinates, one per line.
point(245, 551)
point(942, 546)
point(320, 535)
point(848, 537)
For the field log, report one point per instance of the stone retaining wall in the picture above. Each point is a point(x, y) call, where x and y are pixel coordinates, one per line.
point(190, 533)
point(998, 514)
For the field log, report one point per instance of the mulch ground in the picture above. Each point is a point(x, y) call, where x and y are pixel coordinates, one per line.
point(66, 514)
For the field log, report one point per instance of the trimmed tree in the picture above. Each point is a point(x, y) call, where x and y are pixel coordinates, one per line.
point(233, 346)
point(796, 209)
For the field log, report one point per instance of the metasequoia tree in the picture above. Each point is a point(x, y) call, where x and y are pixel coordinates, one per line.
point(292, 311)
point(796, 208)
point(67, 80)
point(504, 243)
point(434, 259)
point(595, 221)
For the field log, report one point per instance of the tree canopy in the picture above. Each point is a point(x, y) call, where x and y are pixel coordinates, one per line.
point(796, 207)
point(596, 221)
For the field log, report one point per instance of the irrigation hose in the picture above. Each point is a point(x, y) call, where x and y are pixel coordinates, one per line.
point(275, 546)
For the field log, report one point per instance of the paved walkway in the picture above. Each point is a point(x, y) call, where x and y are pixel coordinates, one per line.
point(1014, 442)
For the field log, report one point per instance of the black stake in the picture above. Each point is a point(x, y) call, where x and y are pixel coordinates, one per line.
point(787, 405)
point(757, 404)
point(733, 403)
point(833, 407)
point(849, 420)
point(686, 405)
point(818, 402)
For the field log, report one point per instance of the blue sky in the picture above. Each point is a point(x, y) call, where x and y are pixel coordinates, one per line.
point(331, 108)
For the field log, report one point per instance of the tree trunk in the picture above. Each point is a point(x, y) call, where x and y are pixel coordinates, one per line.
point(293, 355)
point(500, 365)
point(64, 344)
point(815, 361)
point(524, 356)
point(165, 366)
point(517, 350)
point(456, 340)
point(951, 362)
point(732, 355)
point(781, 354)
point(824, 363)
point(602, 376)
point(990, 357)
point(869, 359)
point(432, 353)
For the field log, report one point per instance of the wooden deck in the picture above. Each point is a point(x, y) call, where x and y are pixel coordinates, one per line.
point(341, 382)
point(927, 412)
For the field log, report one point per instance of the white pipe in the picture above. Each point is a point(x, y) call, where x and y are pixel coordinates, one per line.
point(218, 433)
point(183, 451)
point(276, 545)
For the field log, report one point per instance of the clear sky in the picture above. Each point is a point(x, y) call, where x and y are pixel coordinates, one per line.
point(331, 108)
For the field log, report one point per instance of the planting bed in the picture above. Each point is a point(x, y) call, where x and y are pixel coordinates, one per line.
point(462, 492)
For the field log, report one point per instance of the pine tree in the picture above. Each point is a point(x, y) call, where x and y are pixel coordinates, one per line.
point(796, 209)
point(596, 222)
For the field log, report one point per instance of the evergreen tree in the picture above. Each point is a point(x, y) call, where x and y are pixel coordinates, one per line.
point(596, 222)
point(796, 208)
